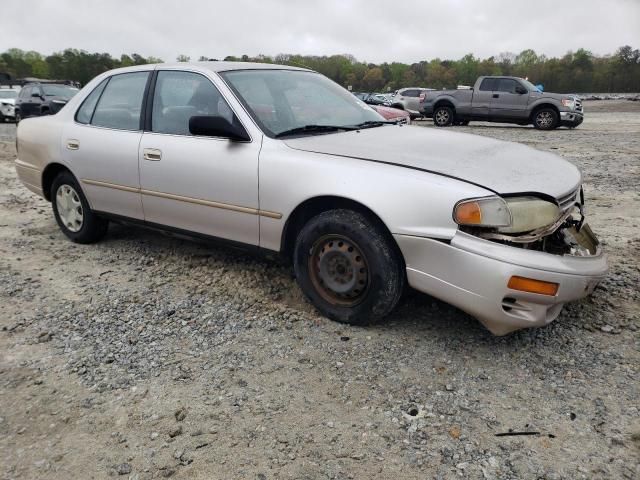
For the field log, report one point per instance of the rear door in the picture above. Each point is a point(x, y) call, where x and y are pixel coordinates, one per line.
point(101, 146)
point(411, 99)
point(507, 103)
point(199, 184)
point(481, 101)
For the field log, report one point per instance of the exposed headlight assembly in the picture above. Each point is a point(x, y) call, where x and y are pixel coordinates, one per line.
point(569, 103)
point(509, 215)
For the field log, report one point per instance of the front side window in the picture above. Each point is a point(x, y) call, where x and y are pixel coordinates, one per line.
point(507, 85)
point(121, 102)
point(282, 100)
point(25, 92)
point(63, 91)
point(85, 112)
point(181, 95)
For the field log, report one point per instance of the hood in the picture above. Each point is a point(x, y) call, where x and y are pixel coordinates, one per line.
point(10, 101)
point(555, 96)
point(503, 167)
point(389, 113)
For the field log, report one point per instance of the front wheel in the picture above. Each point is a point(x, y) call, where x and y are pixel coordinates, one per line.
point(348, 267)
point(18, 118)
point(72, 212)
point(545, 119)
point(443, 116)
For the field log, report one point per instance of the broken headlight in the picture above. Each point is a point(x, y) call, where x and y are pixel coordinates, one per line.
point(506, 215)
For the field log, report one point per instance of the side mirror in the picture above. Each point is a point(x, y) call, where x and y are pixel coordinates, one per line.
point(36, 95)
point(217, 126)
point(521, 90)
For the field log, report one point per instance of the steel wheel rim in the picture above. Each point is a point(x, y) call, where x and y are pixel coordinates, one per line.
point(339, 270)
point(544, 119)
point(69, 208)
point(442, 117)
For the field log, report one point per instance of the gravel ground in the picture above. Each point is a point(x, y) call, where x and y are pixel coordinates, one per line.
point(145, 356)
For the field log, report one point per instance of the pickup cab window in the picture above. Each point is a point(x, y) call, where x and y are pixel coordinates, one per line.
point(507, 85)
point(489, 85)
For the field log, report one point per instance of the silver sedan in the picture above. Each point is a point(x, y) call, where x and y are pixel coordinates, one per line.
point(282, 160)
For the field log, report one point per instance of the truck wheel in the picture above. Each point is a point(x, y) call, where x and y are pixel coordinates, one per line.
point(348, 267)
point(443, 116)
point(545, 119)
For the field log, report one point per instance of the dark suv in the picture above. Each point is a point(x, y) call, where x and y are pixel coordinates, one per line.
point(37, 99)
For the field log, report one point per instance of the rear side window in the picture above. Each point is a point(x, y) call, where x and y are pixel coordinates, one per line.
point(181, 95)
point(507, 85)
point(411, 93)
point(489, 85)
point(85, 112)
point(120, 105)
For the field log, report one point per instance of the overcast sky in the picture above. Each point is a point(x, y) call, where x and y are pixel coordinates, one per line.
point(371, 30)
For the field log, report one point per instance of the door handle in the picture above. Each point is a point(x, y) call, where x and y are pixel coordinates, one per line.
point(73, 144)
point(152, 154)
point(495, 95)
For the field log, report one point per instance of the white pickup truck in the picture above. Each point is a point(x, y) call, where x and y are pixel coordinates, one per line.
point(504, 100)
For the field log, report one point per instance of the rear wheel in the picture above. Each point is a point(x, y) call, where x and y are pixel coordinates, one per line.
point(72, 212)
point(443, 116)
point(545, 119)
point(348, 268)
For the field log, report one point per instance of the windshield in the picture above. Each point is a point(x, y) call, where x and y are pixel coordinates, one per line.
point(284, 100)
point(59, 91)
point(8, 94)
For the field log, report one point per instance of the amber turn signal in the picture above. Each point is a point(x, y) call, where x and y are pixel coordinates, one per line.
point(468, 213)
point(533, 286)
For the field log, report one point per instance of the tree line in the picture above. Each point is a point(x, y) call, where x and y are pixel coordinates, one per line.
point(580, 71)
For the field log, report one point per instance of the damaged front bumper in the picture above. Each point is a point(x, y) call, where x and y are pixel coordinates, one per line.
point(473, 274)
point(571, 119)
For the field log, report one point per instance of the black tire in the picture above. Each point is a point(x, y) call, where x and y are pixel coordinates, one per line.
point(18, 118)
point(92, 227)
point(545, 119)
point(443, 116)
point(376, 260)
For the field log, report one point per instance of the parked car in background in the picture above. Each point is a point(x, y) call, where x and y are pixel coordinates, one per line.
point(393, 114)
point(7, 103)
point(410, 99)
point(38, 99)
point(373, 98)
point(360, 206)
point(504, 100)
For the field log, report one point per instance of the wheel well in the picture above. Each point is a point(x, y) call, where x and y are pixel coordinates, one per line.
point(444, 103)
point(50, 172)
point(314, 206)
point(541, 106)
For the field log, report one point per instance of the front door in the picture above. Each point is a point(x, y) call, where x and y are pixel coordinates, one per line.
point(199, 184)
point(507, 101)
point(101, 145)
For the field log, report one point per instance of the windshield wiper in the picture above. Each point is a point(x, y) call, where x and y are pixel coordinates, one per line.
point(315, 128)
point(374, 123)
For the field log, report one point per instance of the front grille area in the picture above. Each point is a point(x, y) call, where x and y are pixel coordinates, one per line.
point(578, 105)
